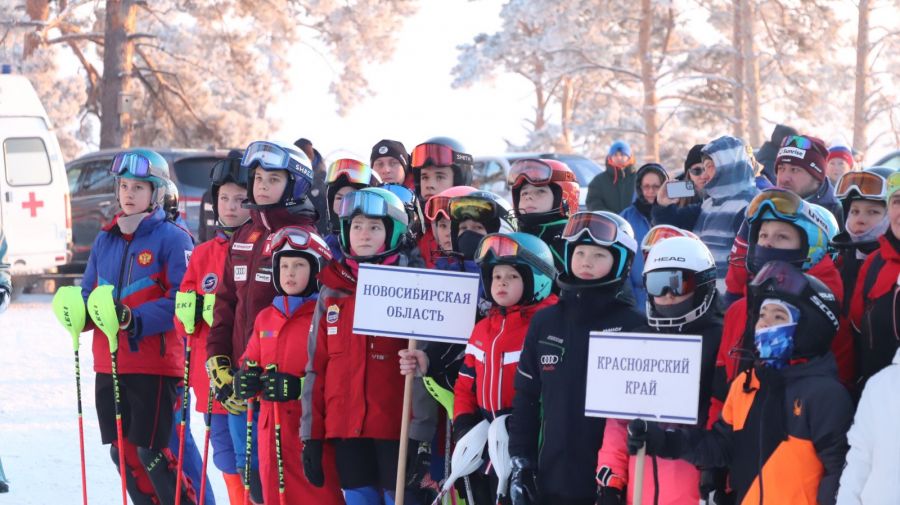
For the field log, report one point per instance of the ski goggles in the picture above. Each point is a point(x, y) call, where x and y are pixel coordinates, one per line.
point(437, 207)
point(661, 232)
point(798, 141)
point(269, 156)
point(535, 172)
point(504, 248)
point(463, 207)
point(229, 170)
point(781, 274)
point(132, 163)
point(437, 155)
point(675, 282)
point(296, 237)
point(354, 171)
point(600, 228)
point(866, 184)
point(893, 184)
point(402, 192)
point(369, 205)
point(781, 202)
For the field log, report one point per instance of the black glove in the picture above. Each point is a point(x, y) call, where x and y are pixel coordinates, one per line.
point(523, 482)
point(713, 484)
point(418, 463)
point(462, 424)
point(123, 313)
point(247, 382)
point(607, 495)
point(280, 387)
point(641, 432)
point(312, 462)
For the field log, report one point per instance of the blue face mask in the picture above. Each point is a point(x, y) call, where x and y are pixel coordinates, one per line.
point(775, 344)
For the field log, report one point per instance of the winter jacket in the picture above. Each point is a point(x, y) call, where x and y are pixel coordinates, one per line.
point(641, 225)
point(338, 398)
point(678, 480)
point(246, 286)
point(484, 387)
point(731, 360)
point(145, 269)
point(872, 310)
point(203, 276)
point(279, 338)
point(318, 192)
point(873, 462)
point(782, 434)
point(850, 261)
point(548, 425)
point(768, 152)
point(680, 216)
point(612, 190)
point(428, 247)
point(551, 234)
point(824, 196)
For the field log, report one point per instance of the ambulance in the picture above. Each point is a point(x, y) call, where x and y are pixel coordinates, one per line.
point(34, 192)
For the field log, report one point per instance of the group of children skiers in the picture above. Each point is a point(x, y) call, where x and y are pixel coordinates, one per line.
point(814, 320)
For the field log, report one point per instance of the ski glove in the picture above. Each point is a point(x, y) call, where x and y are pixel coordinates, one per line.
point(418, 463)
point(219, 370)
point(123, 312)
point(280, 387)
point(312, 462)
point(641, 432)
point(246, 381)
point(607, 495)
point(523, 482)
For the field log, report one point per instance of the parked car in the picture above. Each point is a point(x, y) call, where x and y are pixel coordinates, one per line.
point(489, 172)
point(92, 190)
point(892, 160)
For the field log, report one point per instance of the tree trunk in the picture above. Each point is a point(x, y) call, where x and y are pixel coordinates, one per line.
point(648, 81)
point(860, 121)
point(737, 72)
point(751, 75)
point(115, 124)
point(37, 10)
point(567, 110)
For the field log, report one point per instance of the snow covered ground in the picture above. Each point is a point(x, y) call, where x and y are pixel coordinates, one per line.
point(38, 414)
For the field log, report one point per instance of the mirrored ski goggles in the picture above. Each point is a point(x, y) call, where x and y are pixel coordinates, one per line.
point(893, 184)
point(675, 282)
point(133, 163)
point(464, 207)
point(600, 228)
point(402, 192)
point(781, 274)
point(354, 171)
point(783, 203)
point(437, 155)
point(268, 155)
point(866, 184)
point(661, 232)
point(798, 141)
point(437, 207)
point(369, 205)
point(530, 171)
point(502, 247)
point(296, 237)
point(229, 170)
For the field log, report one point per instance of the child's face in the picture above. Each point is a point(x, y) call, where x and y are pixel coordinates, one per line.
point(389, 169)
point(433, 180)
point(796, 179)
point(229, 205)
point(591, 262)
point(506, 285)
point(472, 225)
point(134, 195)
point(442, 234)
point(770, 315)
point(864, 215)
point(894, 213)
point(293, 273)
point(836, 168)
point(778, 235)
point(367, 235)
point(535, 199)
point(670, 299)
point(268, 185)
point(339, 197)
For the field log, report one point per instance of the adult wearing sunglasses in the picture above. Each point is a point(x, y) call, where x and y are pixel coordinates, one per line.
point(613, 190)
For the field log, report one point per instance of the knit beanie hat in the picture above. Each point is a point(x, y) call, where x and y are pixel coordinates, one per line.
point(804, 151)
point(694, 156)
point(842, 153)
point(391, 148)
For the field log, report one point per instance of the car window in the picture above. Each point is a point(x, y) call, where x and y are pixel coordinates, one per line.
point(73, 173)
point(585, 169)
point(27, 162)
point(96, 178)
point(195, 171)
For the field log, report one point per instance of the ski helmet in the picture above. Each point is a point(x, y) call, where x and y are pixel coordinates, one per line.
point(604, 229)
point(143, 165)
point(410, 203)
point(347, 172)
point(893, 183)
point(777, 204)
point(170, 201)
point(225, 171)
point(294, 241)
point(819, 310)
point(529, 255)
point(680, 266)
point(271, 156)
point(551, 173)
point(376, 203)
point(869, 185)
point(662, 232)
point(438, 207)
point(484, 207)
point(442, 152)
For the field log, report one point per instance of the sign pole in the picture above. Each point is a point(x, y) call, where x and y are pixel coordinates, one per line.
point(400, 489)
point(638, 480)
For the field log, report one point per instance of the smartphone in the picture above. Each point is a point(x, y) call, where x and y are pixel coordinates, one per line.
point(680, 189)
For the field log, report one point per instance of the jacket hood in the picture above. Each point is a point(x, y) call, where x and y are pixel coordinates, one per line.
point(734, 173)
point(644, 170)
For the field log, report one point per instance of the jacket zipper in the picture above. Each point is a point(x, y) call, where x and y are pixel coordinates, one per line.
point(490, 372)
point(122, 271)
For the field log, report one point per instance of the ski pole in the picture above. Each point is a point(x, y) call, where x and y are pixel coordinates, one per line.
point(103, 312)
point(68, 305)
point(278, 456)
point(185, 400)
point(208, 420)
point(248, 451)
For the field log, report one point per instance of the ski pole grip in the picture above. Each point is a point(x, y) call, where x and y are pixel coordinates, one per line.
point(186, 310)
point(209, 304)
point(68, 307)
point(102, 309)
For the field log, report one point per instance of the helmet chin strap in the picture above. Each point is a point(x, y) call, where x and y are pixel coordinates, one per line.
point(680, 321)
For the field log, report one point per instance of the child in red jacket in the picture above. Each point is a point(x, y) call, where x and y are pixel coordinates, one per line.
point(517, 271)
point(273, 367)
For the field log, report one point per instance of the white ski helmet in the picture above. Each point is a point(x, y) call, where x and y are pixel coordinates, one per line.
point(679, 265)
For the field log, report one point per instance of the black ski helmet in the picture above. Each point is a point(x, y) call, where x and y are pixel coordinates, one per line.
point(461, 163)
